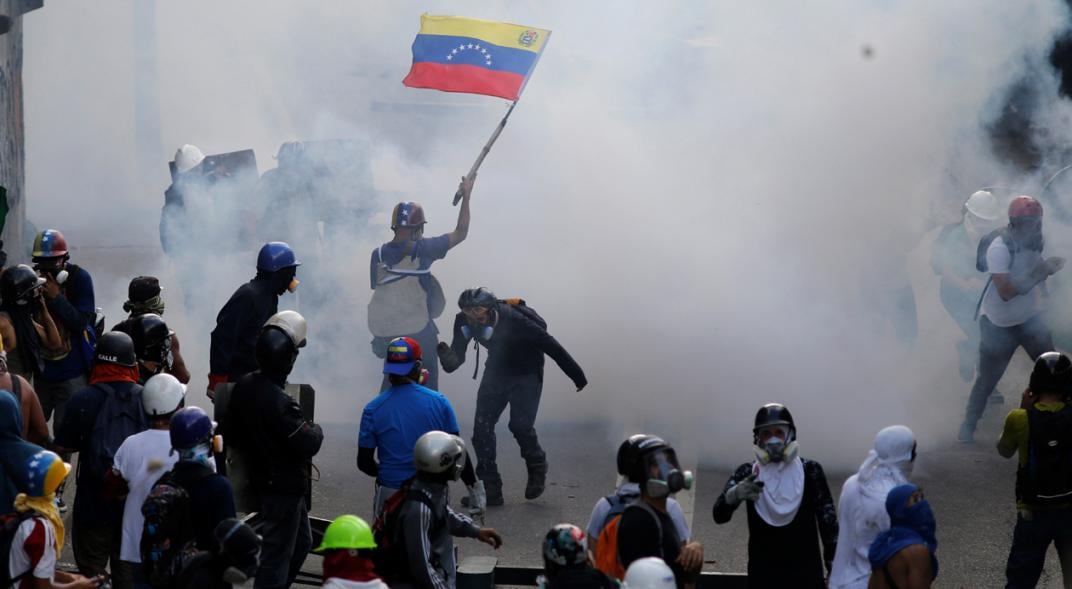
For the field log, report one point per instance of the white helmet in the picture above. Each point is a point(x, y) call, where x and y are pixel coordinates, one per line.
point(984, 204)
point(649, 573)
point(187, 157)
point(439, 452)
point(162, 395)
point(292, 324)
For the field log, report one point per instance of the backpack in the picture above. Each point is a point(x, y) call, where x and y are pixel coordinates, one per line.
point(519, 305)
point(980, 259)
point(167, 537)
point(606, 557)
point(389, 558)
point(117, 419)
point(1046, 478)
point(984, 244)
point(400, 305)
point(9, 525)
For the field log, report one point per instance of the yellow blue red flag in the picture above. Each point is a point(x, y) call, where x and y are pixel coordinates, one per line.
point(457, 54)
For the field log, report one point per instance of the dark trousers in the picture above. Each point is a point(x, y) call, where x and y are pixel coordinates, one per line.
point(1031, 539)
point(428, 338)
point(55, 394)
point(522, 394)
point(94, 541)
point(287, 540)
point(996, 348)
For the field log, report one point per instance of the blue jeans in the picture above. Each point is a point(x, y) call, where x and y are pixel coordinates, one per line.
point(996, 348)
point(1031, 539)
point(287, 540)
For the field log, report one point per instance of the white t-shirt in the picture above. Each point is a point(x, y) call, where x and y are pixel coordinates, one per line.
point(33, 549)
point(1022, 307)
point(141, 459)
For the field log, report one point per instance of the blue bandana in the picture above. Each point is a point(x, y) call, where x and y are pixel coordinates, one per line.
point(908, 526)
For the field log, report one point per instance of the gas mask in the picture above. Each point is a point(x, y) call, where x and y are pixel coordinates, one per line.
point(776, 449)
point(481, 330)
point(664, 476)
point(58, 273)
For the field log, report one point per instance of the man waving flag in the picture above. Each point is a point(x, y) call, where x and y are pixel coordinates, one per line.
point(456, 54)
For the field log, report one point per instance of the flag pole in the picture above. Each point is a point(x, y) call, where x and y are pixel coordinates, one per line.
point(484, 152)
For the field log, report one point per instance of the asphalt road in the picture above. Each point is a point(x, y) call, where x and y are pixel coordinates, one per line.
point(970, 487)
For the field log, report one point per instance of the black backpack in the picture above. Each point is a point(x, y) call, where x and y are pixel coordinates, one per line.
point(168, 536)
point(390, 559)
point(984, 244)
point(117, 419)
point(1046, 478)
point(9, 525)
point(519, 305)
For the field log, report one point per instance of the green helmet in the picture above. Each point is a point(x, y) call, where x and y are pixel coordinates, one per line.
point(347, 532)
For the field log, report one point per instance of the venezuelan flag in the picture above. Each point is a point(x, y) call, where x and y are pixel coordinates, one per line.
point(456, 54)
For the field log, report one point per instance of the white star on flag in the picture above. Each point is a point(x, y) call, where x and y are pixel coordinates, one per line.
point(450, 57)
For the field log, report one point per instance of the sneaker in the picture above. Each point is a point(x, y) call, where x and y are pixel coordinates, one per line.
point(537, 480)
point(60, 504)
point(967, 434)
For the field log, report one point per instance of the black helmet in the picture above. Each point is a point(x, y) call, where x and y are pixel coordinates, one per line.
point(276, 351)
point(477, 297)
point(773, 414)
point(632, 451)
point(152, 338)
point(1052, 374)
point(239, 544)
point(18, 284)
point(116, 347)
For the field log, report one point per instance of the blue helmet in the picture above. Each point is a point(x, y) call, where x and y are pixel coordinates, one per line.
point(189, 427)
point(276, 255)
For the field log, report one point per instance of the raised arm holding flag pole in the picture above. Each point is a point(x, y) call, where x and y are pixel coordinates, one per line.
point(456, 54)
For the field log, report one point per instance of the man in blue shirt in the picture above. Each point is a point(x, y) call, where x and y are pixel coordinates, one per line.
point(68, 292)
point(393, 421)
point(406, 297)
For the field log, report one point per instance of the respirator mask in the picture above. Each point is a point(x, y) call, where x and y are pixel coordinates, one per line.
point(663, 474)
point(57, 272)
point(776, 449)
point(481, 329)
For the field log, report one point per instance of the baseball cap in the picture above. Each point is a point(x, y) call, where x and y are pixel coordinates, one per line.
point(402, 354)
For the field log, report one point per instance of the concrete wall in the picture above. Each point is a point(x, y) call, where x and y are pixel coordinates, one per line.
point(12, 134)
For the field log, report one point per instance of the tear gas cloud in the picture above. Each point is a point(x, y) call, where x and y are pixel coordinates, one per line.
point(714, 205)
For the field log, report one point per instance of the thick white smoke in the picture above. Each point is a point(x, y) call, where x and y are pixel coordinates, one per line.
point(713, 205)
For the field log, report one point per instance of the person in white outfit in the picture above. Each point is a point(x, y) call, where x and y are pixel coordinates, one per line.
point(862, 506)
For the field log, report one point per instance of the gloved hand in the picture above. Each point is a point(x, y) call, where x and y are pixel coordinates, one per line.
point(478, 499)
point(447, 358)
point(746, 490)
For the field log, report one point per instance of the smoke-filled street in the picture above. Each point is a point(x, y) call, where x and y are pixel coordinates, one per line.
point(666, 245)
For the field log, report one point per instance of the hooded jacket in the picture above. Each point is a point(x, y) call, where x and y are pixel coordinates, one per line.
point(239, 322)
point(14, 452)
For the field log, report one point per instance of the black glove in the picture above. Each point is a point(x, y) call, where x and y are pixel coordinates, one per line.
point(447, 358)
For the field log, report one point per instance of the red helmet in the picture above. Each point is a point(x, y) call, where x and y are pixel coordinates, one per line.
point(1024, 206)
point(407, 214)
point(50, 243)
